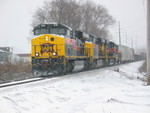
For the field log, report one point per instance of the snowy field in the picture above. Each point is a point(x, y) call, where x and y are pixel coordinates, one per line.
point(98, 91)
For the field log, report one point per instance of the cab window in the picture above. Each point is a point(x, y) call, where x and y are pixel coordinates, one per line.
point(41, 31)
point(90, 39)
point(58, 31)
point(68, 33)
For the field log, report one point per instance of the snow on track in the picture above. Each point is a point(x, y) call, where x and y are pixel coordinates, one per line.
point(98, 91)
point(20, 82)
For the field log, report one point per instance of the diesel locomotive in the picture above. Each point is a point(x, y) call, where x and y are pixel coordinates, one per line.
point(56, 47)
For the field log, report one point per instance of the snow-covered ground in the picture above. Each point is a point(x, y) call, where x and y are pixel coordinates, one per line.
point(98, 91)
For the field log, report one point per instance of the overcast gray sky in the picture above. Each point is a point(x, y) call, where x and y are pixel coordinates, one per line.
point(132, 17)
point(16, 16)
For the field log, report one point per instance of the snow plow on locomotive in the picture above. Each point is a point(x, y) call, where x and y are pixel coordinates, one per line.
point(56, 48)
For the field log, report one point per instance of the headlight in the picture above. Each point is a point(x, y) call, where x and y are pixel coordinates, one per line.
point(36, 54)
point(54, 54)
point(46, 38)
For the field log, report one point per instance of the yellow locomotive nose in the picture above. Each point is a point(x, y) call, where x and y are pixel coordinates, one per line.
point(48, 45)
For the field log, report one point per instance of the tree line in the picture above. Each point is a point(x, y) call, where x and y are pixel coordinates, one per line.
point(86, 16)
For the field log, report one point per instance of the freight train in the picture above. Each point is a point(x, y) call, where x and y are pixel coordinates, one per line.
point(56, 48)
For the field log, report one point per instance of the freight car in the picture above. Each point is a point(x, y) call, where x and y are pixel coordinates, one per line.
point(126, 54)
point(56, 48)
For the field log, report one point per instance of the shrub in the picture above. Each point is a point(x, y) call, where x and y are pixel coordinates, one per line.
point(19, 70)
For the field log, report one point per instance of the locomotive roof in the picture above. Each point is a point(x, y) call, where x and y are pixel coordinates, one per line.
point(91, 35)
point(52, 24)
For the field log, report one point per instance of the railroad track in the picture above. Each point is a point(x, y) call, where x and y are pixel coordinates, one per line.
point(32, 79)
point(40, 78)
point(2, 85)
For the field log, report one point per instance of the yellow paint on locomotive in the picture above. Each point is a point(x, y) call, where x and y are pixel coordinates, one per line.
point(89, 50)
point(45, 51)
point(103, 49)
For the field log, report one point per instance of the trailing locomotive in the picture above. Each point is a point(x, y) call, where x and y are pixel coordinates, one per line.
point(56, 47)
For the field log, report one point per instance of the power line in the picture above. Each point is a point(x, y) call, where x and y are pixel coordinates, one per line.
point(140, 20)
point(141, 28)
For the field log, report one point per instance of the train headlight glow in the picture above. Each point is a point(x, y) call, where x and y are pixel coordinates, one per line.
point(36, 54)
point(46, 38)
point(54, 54)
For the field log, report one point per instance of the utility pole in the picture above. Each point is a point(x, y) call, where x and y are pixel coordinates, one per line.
point(126, 40)
point(148, 42)
point(119, 34)
point(136, 43)
point(126, 45)
point(131, 42)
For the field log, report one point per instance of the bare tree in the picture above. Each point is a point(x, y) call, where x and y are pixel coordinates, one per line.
point(39, 17)
point(66, 12)
point(88, 16)
point(61, 11)
point(95, 19)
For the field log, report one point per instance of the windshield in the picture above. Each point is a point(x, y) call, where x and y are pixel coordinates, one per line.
point(90, 39)
point(40, 31)
point(58, 31)
point(111, 45)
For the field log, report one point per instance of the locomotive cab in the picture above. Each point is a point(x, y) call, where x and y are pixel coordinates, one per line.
point(53, 28)
point(105, 47)
point(81, 37)
point(49, 39)
point(113, 49)
point(91, 46)
point(99, 42)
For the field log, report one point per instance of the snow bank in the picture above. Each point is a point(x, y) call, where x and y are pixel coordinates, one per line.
point(98, 91)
